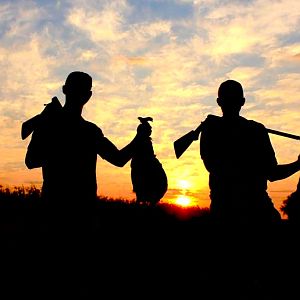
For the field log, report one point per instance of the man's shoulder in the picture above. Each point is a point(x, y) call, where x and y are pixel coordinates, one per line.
point(255, 125)
point(256, 130)
point(92, 127)
point(212, 122)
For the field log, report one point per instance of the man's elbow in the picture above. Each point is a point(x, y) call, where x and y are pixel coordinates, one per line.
point(117, 161)
point(29, 165)
point(272, 178)
point(275, 175)
point(120, 163)
point(32, 164)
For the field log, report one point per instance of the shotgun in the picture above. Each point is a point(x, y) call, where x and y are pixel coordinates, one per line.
point(182, 144)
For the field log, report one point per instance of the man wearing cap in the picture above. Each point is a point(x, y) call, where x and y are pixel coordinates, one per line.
point(240, 160)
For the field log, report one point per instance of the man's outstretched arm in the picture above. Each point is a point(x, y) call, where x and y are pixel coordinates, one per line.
point(115, 156)
point(108, 151)
point(284, 171)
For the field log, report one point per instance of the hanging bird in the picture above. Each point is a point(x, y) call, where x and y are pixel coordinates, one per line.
point(148, 177)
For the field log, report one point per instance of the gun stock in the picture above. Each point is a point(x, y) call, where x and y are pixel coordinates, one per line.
point(29, 126)
point(181, 144)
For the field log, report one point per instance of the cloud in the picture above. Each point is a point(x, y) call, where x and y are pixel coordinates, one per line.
point(19, 18)
point(239, 27)
point(88, 55)
point(285, 57)
point(25, 74)
point(101, 25)
point(247, 76)
point(108, 26)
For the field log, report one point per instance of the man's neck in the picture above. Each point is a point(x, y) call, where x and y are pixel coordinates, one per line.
point(231, 117)
point(73, 112)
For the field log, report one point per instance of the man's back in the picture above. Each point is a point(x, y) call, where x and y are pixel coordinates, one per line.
point(237, 148)
point(239, 157)
point(70, 149)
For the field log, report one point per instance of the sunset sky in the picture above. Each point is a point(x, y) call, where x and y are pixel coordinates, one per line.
point(159, 58)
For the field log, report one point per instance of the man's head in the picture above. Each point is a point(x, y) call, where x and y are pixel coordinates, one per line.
point(230, 97)
point(77, 88)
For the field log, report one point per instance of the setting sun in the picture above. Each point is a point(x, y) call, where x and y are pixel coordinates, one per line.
point(183, 201)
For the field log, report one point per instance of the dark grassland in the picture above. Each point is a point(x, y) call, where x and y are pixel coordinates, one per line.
point(130, 250)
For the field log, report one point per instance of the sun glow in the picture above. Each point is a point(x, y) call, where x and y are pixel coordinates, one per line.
point(183, 184)
point(183, 201)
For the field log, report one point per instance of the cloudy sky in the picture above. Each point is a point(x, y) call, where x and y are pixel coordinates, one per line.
point(159, 58)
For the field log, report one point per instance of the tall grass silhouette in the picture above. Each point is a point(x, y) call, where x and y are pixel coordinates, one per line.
point(20, 206)
point(291, 206)
point(139, 250)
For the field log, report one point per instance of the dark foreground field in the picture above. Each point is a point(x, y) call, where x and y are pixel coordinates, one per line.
point(142, 252)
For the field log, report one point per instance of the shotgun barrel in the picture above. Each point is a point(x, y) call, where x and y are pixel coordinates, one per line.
point(281, 133)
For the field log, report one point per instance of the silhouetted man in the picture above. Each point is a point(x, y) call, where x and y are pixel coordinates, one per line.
point(66, 147)
point(240, 160)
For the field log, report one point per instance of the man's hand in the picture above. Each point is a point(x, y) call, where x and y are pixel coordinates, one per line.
point(51, 108)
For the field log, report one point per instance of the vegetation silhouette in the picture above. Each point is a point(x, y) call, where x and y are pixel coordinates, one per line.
point(240, 159)
point(170, 249)
point(66, 147)
point(21, 206)
point(149, 180)
point(291, 206)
